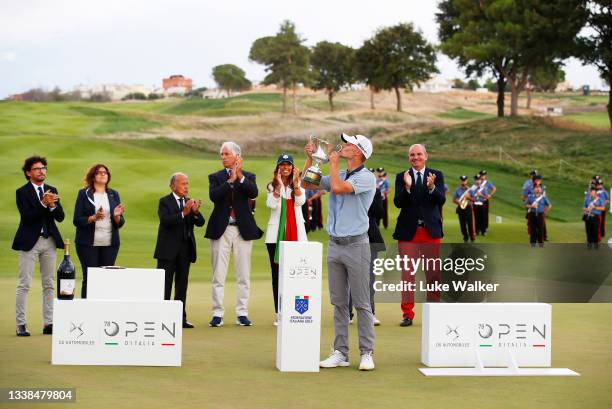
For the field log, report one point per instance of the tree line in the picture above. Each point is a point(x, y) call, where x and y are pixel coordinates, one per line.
point(522, 44)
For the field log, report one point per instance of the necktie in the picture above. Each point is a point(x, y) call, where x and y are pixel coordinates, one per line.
point(185, 228)
point(44, 232)
point(420, 185)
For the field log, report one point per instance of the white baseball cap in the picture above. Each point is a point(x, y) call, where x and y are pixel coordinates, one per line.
point(360, 141)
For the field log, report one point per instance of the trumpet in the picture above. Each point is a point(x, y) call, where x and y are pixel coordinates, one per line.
point(464, 200)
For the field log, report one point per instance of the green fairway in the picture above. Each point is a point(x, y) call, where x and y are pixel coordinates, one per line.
point(599, 120)
point(233, 366)
point(141, 170)
point(227, 368)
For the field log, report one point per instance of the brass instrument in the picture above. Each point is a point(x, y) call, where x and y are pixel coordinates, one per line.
point(478, 201)
point(463, 200)
point(535, 202)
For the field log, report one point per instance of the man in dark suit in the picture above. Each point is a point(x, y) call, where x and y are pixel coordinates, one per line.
point(37, 239)
point(176, 245)
point(231, 228)
point(419, 194)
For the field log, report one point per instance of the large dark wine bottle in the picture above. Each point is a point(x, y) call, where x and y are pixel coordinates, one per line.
point(66, 274)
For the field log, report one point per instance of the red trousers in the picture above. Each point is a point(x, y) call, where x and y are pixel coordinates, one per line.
point(422, 244)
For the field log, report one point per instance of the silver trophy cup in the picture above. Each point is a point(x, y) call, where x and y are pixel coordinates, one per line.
point(313, 174)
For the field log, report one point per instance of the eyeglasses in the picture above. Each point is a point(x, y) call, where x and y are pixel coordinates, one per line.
point(102, 172)
point(38, 169)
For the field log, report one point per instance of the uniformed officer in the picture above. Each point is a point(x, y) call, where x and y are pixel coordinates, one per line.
point(592, 209)
point(537, 206)
point(465, 210)
point(382, 184)
point(528, 185)
point(481, 194)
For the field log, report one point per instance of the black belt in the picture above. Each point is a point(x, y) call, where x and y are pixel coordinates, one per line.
point(343, 241)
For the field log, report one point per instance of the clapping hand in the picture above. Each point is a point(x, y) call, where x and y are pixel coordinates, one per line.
point(188, 206)
point(296, 176)
point(279, 177)
point(99, 214)
point(431, 179)
point(407, 179)
point(238, 167)
point(119, 210)
point(195, 209)
point(50, 199)
point(233, 175)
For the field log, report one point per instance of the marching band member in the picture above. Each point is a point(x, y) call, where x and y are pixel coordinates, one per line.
point(592, 209)
point(537, 206)
point(481, 194)
point(465, 210)
point(382, 184)
point(528, 185)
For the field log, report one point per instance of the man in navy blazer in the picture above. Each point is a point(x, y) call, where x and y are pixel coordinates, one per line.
point(176, 245)
point(37, 239)
point(419, 194)
point(231, 228)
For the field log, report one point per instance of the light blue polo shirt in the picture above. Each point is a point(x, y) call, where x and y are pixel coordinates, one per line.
point(347, 215)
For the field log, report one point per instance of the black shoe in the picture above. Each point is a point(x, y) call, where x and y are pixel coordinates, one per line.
point(187, 324)
point(22, 331)
point(406, 322)
point(48, 329)
point(243, 321)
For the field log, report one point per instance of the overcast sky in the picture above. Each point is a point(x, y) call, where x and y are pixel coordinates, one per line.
point(67, 42)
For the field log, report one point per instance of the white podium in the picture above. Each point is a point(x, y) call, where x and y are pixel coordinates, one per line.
point(488, 339)
point(124, 321)
point(298, 340)
point(142, 284)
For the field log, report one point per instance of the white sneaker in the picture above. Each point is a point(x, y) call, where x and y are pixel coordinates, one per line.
point(367, 362)
point(376, 321)
point(335, 360)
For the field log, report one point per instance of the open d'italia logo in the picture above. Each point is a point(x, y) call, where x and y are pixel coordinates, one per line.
point(301, 304)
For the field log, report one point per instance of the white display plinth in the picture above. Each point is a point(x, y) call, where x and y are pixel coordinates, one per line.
point(90, 332)
point(145, 284)
point(509, 336)
point(298, 340)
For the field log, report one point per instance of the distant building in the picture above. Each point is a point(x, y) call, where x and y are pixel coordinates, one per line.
point(114, 91)
point(564, 86)
point(177, 84)
point(435, 84)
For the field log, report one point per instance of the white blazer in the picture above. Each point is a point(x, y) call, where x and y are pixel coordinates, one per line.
point(275, 204)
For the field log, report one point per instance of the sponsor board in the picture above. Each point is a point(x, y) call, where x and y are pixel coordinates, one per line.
point(457, 334)
point(95, 332)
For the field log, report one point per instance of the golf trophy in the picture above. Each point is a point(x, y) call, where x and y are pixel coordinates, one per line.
point(313, 174)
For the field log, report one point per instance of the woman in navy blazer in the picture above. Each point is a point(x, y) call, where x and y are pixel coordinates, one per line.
point(98, 216)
